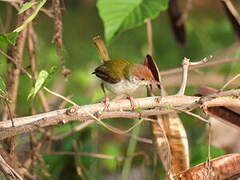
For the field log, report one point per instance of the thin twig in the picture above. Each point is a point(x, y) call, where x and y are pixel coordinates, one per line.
point(209, 150)
point(74, 130)
point(95, 155)
point(209, 64)
point(88, 123)
point(230, 81)
point(48, 12)
point(15, 63)
point(8, 171)
point(186, 63)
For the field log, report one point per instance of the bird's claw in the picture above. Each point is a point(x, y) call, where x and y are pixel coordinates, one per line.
point(132, 102)
point(106, 104)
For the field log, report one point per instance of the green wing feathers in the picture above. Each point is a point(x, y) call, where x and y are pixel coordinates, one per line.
point(114, 71)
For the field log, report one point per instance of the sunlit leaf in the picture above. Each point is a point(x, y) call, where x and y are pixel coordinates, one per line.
point(121, 15)
point(40, 82)
point(8, 38)
point(26, 6)
point(30, 18)
point(2, 87)
point(43, 77)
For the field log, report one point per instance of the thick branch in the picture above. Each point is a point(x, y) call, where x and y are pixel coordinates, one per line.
point(116, 109)
point(30, 123)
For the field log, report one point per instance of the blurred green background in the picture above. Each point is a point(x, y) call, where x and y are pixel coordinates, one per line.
point(209, 32)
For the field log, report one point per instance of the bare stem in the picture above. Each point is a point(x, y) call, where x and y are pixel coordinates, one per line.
point(186, 63)
point(230, 81)
point(209, 64)
point(8, 171)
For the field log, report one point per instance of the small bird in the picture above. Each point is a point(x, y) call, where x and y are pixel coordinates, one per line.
point(123, 77)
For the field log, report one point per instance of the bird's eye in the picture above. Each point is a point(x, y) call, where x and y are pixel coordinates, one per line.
point(142, 79)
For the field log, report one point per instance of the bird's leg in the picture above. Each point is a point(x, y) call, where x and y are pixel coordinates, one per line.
point(132, 102)
point(106, 99)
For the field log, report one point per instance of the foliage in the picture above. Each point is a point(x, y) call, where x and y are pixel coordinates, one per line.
point(43, 77)
point(121, 15)
point(33, 15)
point(208, 33)
point(8, 38)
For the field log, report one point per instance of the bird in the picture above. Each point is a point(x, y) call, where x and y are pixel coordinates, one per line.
point(123, 77)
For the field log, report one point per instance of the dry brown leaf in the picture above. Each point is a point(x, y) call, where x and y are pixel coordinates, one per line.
point(226, 114)
point(169, 135)
point(222, 167)
point(174, 154)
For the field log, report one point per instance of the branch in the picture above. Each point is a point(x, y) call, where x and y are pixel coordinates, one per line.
point(117, 109)
point(30, 123)
point(8, 171)
point(209, 64)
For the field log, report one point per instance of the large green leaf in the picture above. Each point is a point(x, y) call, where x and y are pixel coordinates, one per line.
point(120, 15)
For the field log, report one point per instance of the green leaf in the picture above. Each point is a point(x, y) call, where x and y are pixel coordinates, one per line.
point(30, 18)
point(121, 15)
point(40, 82)
point(8, 38)
point(26, 6)
point(43, 77)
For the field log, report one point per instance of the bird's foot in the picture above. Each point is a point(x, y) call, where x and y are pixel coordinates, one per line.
point(106, 102)
point(132, 102)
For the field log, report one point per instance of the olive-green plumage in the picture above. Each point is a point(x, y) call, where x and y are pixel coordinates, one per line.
point(114, 71)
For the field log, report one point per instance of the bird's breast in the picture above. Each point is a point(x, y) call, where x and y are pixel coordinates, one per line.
point(123, 86)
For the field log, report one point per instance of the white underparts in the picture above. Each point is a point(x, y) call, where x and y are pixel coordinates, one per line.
point(127, 86)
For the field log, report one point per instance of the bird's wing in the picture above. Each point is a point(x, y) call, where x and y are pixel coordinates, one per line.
point(106, 74)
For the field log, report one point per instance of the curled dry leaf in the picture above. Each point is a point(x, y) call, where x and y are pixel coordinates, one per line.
point(169, 135)
point(174, 153)
point(222, 167)
point(228, 114)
